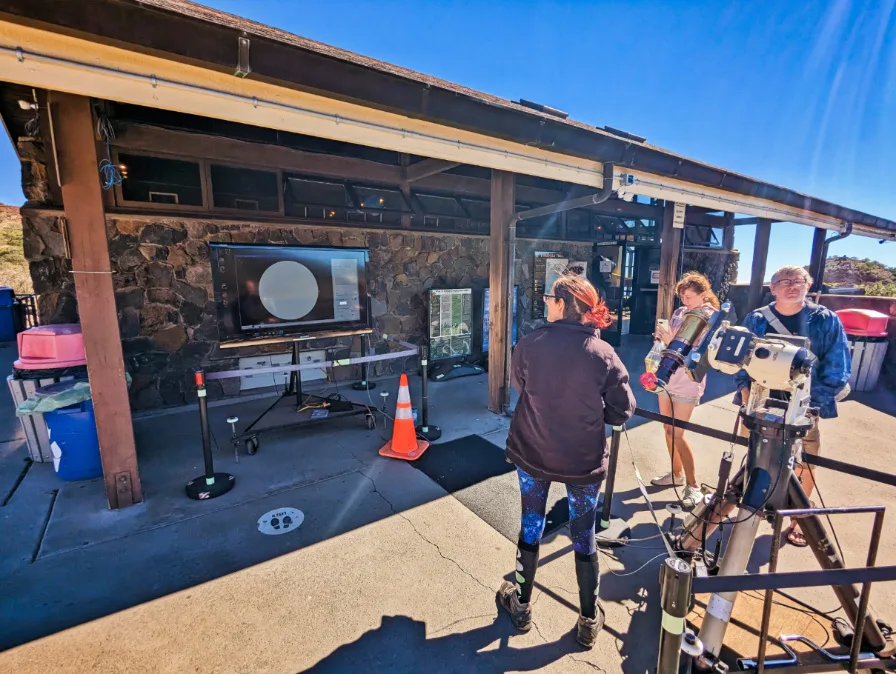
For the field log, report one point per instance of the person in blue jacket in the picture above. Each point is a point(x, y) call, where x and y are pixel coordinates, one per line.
point(792, 314)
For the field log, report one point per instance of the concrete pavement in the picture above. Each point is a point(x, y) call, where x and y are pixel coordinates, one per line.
point(386, 573)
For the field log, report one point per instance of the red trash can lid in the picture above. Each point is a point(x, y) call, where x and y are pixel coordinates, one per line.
point(864, 322)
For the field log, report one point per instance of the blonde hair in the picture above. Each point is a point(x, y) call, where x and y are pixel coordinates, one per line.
point(792, 270)
point(700, 285)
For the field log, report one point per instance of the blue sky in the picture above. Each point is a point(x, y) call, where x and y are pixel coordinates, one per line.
point(802, 94)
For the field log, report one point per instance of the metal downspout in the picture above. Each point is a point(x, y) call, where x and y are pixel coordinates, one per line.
point(818, 283)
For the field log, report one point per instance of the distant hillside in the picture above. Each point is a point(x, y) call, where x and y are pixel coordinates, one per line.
point(876, 278)
point(13, 267)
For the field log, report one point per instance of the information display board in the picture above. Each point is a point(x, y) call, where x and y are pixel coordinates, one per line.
point(486, 322)
point(450, 323)
point(540, 272)
point(549, 266)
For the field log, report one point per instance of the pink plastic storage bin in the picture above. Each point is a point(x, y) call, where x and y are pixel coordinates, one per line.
point(49, 347)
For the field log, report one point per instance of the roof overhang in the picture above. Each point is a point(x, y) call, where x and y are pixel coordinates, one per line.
point(45, 57)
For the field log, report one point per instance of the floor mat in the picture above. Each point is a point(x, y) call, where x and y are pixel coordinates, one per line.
point(475, 472)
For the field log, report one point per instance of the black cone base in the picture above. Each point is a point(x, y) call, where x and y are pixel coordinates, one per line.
point(200, 490)
point(613, 536)
point(431, 434)
point(363, 386)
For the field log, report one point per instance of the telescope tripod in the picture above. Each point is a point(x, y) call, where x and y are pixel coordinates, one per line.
point(765, 485)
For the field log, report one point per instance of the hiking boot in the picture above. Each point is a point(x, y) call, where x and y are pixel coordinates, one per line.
point(520, 614)
point(691, 496)
point(587, 629)
point(668, 480)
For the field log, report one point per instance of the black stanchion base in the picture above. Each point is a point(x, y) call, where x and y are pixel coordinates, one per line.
point(363, 386)
point(431, 433)
point(200, 490)
point(615, 535)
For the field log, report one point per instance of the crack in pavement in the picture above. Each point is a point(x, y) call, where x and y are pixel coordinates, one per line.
point(556, 645)
point(417, 531)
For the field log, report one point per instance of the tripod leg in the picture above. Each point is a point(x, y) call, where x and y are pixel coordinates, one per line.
point(828, 558)
point(719, 509)
point(734, 563)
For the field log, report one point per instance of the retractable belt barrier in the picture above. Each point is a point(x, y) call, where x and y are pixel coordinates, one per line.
point(410, 350)
point(820, 461)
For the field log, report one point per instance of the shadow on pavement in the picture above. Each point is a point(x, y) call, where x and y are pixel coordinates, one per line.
point(880, 399)
point(400, 644)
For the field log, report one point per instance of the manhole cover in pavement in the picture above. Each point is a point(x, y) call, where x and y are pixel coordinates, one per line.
point(280, 521)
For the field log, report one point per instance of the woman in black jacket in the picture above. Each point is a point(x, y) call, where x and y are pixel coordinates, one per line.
point(570, 383)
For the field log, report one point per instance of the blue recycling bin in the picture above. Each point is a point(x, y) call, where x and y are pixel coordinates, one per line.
point(74, 442)
point(8, 310)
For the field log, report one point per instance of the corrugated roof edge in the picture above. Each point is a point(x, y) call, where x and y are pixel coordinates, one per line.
point(203, 13)
point(579, 139)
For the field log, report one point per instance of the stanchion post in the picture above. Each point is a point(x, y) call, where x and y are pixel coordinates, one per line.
point(612, 531)
point(425, 430)
point(675, 600)
point(365, 384)
point(212, 484)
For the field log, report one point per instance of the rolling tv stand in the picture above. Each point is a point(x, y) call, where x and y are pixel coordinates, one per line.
point(308, 408)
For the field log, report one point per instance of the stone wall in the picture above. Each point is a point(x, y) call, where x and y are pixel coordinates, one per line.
point(163, 287)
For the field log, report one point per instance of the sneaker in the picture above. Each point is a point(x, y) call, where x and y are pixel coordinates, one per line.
point(587, 629)
point(668, 480)
point(520, 614)
point(691, 496)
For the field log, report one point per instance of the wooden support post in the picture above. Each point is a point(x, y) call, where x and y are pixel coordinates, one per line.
point(817, 260)
point(760, 258)
point(502, 209)
point(728, 235)
point(670, 252)
point(83, 202)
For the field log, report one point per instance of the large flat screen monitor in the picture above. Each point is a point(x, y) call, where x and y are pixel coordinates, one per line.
point(450, 323)
point(265, 292)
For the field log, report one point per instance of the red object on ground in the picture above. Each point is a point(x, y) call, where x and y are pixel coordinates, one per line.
point(404, 443)
point(864, 322)
point(49, 347)
point(648, 381)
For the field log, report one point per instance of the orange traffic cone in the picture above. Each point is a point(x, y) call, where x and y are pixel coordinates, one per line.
point(404, 443)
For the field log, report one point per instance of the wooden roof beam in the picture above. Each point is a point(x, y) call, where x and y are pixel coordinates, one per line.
point(426, 168)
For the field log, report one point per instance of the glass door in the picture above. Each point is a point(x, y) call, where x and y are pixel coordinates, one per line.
point(607, 272)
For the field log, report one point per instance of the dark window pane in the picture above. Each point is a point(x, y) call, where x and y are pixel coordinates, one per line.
point(304, 191)
point(380, 199)
point(436, 205)
point(160, 181)
point(478, 210)
point(245, 189)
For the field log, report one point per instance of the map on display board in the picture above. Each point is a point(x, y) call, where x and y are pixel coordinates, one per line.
point(450, 323)
point(548, 268)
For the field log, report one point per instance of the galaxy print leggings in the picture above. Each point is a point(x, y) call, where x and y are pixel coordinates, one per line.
point(582, 516)
point(582, 511)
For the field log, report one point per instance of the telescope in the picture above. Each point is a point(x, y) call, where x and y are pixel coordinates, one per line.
point(777, 415)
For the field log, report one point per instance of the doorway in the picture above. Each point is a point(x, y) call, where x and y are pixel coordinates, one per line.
point(627, 275)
